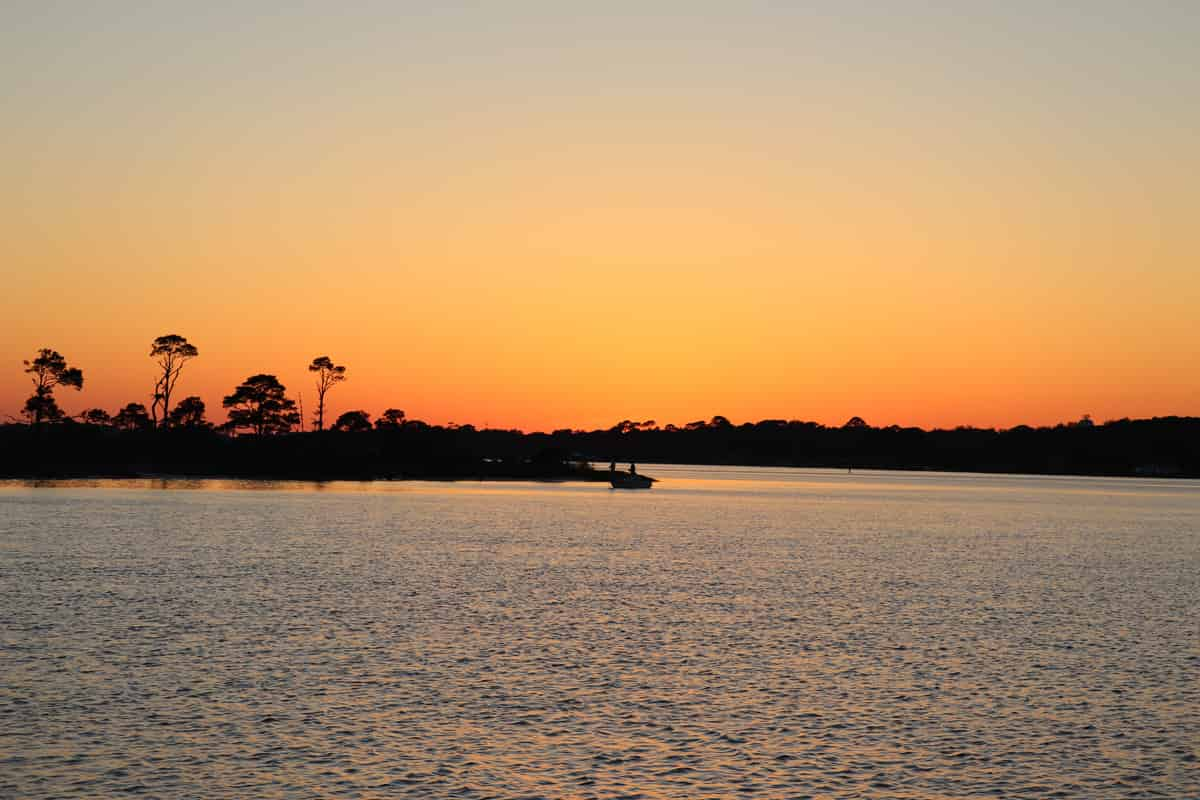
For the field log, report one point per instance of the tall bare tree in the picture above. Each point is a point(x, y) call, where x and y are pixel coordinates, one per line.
point(170, 352)
point(328, 376)
point(49, 369)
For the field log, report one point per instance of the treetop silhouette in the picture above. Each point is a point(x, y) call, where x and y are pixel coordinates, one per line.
point(170, 352)
point(328, 376)
point(189, 414)
point(95, 416)
point(391, 419)
point(353, 421)
point(133, 417)
point(49, 370)
point(259, 404)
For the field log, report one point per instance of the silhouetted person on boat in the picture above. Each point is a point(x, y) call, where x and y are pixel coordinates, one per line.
point(612, 466)
point(632, 468)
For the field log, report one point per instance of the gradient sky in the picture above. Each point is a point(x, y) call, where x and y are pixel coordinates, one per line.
point(529, 215)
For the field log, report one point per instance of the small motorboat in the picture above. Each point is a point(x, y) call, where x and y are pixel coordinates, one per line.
point(623, 480)
point(628, 480)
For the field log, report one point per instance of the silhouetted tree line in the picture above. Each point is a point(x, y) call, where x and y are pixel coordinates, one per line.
point(259, 404)
point(414, 450)
point(1163, 446)
point(260, 438)
point(397, 447)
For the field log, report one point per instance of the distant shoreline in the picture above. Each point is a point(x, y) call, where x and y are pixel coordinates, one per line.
point(176, 476)
point(1164, 447)
point(597, 476)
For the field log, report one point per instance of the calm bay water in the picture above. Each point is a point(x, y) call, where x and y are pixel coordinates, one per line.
point(731, 633)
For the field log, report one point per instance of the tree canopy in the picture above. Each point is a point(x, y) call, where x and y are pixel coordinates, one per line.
point(49, 370)
point(390, 419)
point(95, 416)
point(353, 421)
point(188, 414)
point(260, 404)
point(132, 417)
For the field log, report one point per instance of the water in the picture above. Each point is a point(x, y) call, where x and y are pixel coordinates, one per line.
point(731, 633)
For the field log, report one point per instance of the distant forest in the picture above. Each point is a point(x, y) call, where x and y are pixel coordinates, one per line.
point(263, 437)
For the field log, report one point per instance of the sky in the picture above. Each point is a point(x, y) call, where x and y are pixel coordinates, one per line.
point(531, 215)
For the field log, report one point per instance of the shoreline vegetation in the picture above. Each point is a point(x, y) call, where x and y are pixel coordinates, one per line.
point(411, 449)
point(264, 437)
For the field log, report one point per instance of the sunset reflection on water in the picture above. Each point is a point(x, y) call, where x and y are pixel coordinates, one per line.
point(731, 632)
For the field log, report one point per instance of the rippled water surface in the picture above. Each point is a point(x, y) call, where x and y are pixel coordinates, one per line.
point(731, 633)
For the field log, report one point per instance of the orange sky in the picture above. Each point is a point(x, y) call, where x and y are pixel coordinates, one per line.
point(932, 221)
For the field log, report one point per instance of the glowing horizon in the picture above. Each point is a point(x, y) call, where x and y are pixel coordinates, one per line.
point(528, 217)
point(205, 383)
